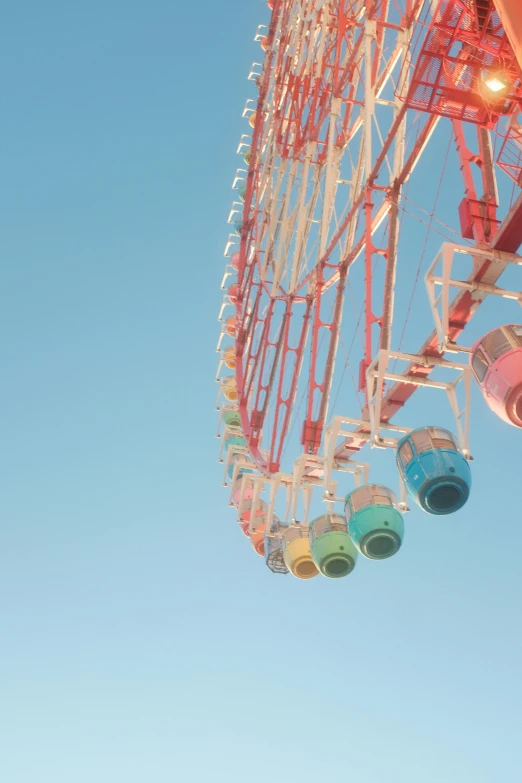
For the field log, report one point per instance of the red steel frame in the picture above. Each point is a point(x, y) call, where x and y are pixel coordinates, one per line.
point(448, 80)
point(298, 100)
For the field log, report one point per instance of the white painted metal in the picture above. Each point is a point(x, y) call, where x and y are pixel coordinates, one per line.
point(440, 303)
point(378, 373)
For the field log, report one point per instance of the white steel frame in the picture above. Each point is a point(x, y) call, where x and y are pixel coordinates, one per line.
point(440, 304)
point(378, 373)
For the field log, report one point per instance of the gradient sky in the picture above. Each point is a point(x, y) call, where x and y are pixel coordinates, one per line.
point(140, 637)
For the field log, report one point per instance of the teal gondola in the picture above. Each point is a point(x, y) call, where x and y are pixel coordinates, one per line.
point(374, 521)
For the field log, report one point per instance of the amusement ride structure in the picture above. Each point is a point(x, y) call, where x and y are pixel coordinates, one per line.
point(384, 145)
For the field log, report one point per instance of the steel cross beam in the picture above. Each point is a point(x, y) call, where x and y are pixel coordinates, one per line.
point(464, 306)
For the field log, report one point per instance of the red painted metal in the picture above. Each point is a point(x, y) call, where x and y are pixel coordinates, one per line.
point(465, 44)
point(303, 94)
point(510, 155)
point(465, 37)
point(302, 97)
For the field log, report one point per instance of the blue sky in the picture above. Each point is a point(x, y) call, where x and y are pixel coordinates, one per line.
point(140, 637)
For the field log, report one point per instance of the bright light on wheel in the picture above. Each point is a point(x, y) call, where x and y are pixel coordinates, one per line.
point(496, 82)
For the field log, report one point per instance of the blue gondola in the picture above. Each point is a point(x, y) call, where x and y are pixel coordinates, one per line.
point(375, 523)
point(435, 472)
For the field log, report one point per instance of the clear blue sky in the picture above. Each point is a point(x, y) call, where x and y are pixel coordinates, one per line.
point(140, 638)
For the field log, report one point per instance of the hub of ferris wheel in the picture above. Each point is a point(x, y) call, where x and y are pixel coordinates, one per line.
point(346, 105)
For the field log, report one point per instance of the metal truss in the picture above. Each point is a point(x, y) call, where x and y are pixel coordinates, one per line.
point(378, 373)
point(329, 157)
point(440, 303)
point(330, 153)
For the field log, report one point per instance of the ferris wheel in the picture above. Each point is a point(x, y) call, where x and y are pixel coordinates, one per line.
point(382, 146)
